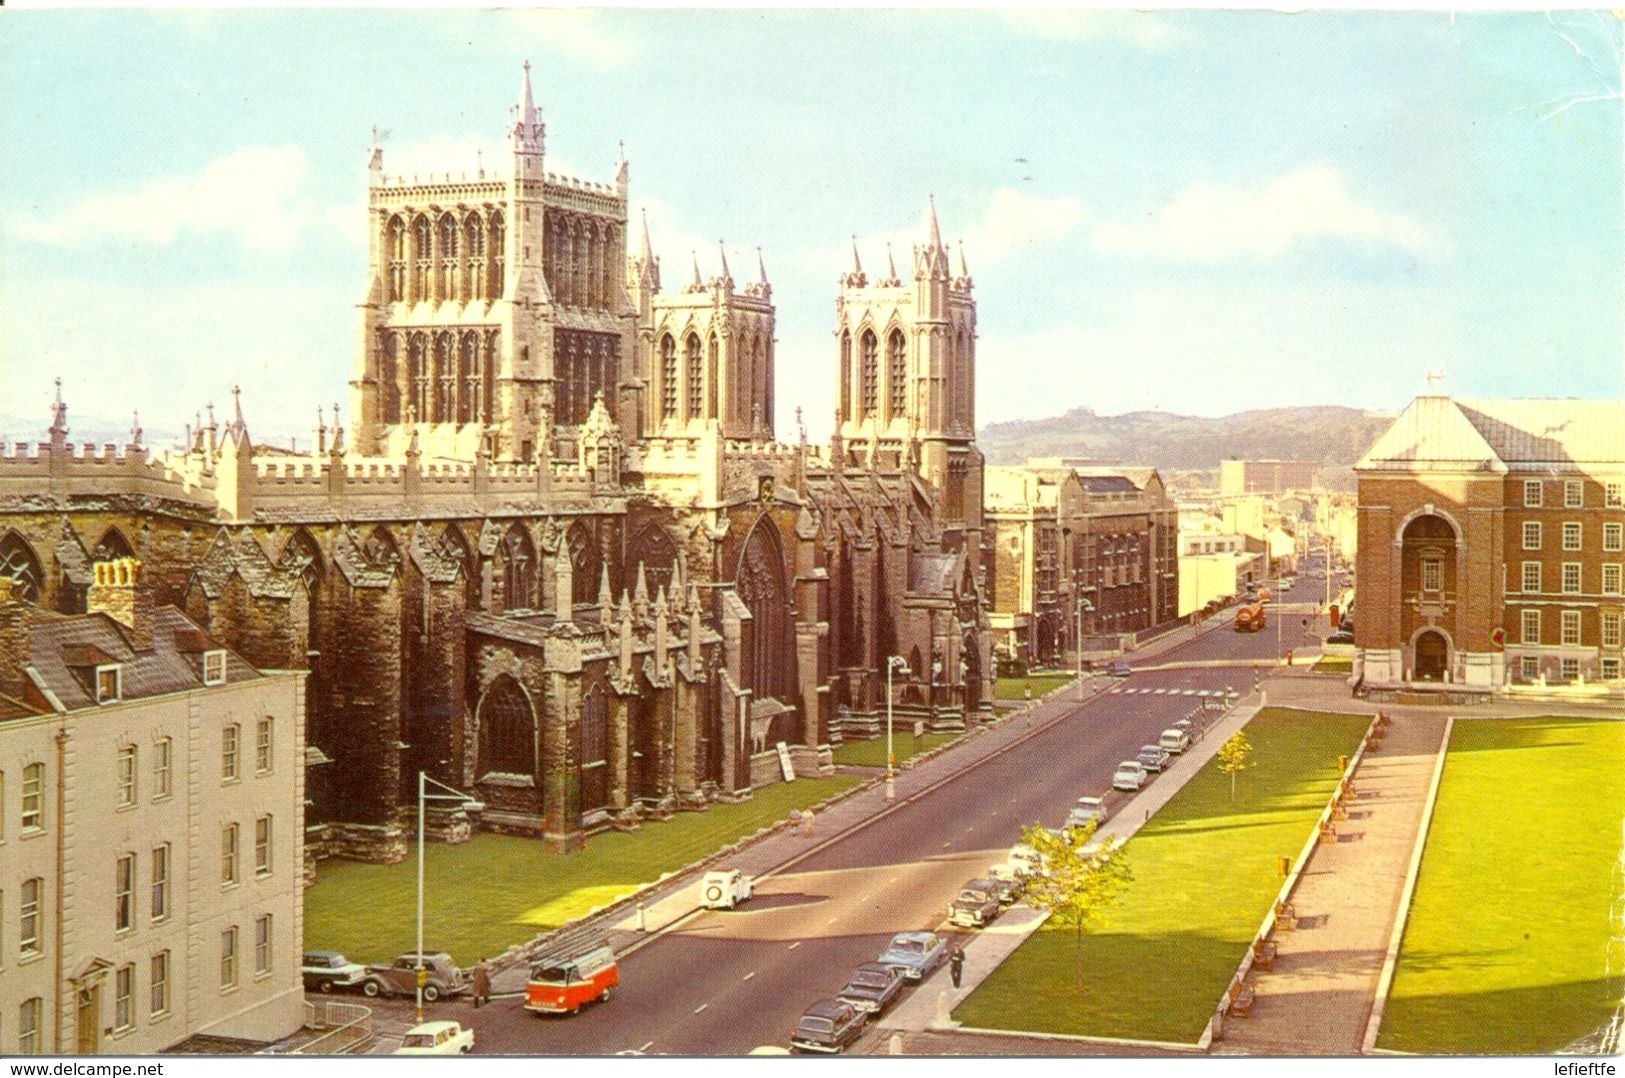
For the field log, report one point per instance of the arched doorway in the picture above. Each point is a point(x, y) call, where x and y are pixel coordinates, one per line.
point(1432, 655)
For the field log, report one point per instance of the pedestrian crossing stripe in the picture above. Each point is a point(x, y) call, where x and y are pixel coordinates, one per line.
point(1159, 692)
point(1190, 692)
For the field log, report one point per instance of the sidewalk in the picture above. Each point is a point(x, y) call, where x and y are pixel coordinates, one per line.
point(1318, 997)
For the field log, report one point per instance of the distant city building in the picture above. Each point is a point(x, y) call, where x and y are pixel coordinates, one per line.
point(151, 829)
point(1490, 536)
point(1266, 476)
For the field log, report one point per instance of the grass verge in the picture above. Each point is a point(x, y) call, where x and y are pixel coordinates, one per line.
point(872, 752)
point(1508, 942)
point(1205, 872)
point(1334, 664)
point(1015, 688)
point(484, 895)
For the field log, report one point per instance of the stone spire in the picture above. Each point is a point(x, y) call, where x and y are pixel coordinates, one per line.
point(892, 280)
point(676, 587)
point(623, 169)
point(761, 268)
point(693, 630)
point(606, 600)
point(727, 276)
point(855, 278)
point(640, 594)
point(931, 260)
point(935, 239)
point(135, 427)
point(646, 251)
point(59, 415)
point(526, 134)
point(662, 635)
point(695, 284)
point(626, 638)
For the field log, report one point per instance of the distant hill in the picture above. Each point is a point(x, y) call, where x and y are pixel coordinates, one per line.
point(1328, 434)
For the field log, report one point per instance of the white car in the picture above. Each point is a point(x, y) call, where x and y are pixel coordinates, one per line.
point(725, 889)
point(1086, 809)
point(436, 1039)
point(1025, 860)
point(1174, 740)
point(1130, 775)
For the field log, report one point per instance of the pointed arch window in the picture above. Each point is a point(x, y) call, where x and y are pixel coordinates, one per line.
point(507, 729)
point(389, 385)
point(518, 569)
point(474, 257)
point(769, 664)
point(380, 548)
point(421, 254)
point(446, 271)
point(455, 547)
point(871, 374)
point(496, 253)
point(18, 561)
point(846, 375)
point(897, 368)
point(668, 378)
point(711, 378)
point(417, 365)
point(489, 380)
point(112, 545)
point(594, 749)
point(468, 377)
point(395, 246)
point(585, 564)
point(444, 377)
point(691, 358)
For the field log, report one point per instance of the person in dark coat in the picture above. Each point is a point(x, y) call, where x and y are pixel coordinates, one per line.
point(482, 984)
point(956, 963)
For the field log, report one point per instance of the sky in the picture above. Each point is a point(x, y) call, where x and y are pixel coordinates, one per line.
point(1200, 212)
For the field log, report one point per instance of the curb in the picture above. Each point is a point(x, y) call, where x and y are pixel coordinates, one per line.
point(1391, 959)
point(1115, 1042)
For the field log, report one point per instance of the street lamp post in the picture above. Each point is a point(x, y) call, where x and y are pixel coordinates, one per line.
point(467, 804)
point(895, 662)
point(1083, 604)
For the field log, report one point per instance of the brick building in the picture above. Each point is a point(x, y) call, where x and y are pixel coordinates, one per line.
point(1266, 476)
point(1490, 544)
point(151, 829)
point(560, 560)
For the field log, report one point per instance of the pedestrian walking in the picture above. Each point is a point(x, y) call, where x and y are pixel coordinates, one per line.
point(956, 964)
point(807, 823)
point(482, 984)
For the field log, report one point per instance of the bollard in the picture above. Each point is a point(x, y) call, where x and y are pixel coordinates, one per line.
point(643, 921)
point(894, 1047)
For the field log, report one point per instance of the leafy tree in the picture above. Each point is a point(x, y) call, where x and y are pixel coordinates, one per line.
point(1235, 755)
point(1080, 879)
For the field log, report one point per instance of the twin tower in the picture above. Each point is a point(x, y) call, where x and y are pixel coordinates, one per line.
point(501, 308)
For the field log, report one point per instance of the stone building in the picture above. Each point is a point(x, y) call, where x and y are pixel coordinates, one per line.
point(1490, 545)
point(559, 559)
point(151, 828)
point(1266, 476)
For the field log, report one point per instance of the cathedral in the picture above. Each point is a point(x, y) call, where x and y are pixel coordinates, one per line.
point(555, 554)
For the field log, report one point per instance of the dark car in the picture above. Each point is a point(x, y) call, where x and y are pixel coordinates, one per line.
point(1153, 757)
point(975, 906)
point(1121, 668)
point(828, 1026)
point(1342, 636)
point(1004, 888)
point(326, 970)
point(872, 987)
point(441, 977)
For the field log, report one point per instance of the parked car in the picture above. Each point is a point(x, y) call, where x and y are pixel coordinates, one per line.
point(1005, 888)
point(1174, 740)
point(726, 889)
point(1009, 880)
point(1024, 859)
point(436, 1039)
point(1342, 636)
point(1130, 775)
point(917, 954)
point(400, 978)
point(974, 906)
point(1085, 809)
point(562, 984)
point(326, 970)
point(1153, 757)
point(872, 987)
point(1121, 668)
point(828, 1026)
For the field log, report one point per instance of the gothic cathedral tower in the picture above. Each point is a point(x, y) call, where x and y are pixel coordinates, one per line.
point(907, 392)
point(496, 311)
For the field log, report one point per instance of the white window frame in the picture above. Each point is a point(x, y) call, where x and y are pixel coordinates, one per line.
point(106, 694)
point(163, 760)
point(1573, 494)
point(1527, 620)
point(1611, 578)
point(1568, 668)
point(1569, 628)
point(214, 667)
point(230, 851)
point(1433, 567)
point(262, 846)
point(1574, 529)
point(127, 763)
point(1531, 577)
point(1572, 578)
point(1532, 493)
point(1610, 668)
point(30, 1016)
point(158, 981)
point(124, 998)
point(1613, 495)
point(264, 746)
point(30, 918)
point(1613, 536)
point(263, 946)
point(1531, 528)
point(228, 959)
point(159, 910)
point(1529, 667)
point(1610, 628)
point(124, 893)
point(33, 802)
point(231, 744)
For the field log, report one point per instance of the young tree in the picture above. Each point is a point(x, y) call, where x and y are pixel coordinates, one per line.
point(1080, 878)
point(1235, 755)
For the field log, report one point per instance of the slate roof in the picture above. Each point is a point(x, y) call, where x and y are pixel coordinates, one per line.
point(64, 649)
point(1437, 433)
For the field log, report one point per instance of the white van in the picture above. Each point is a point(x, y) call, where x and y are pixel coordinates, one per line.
point(1174, 740)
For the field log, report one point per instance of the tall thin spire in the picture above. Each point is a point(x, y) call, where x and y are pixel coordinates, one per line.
point(761, 268)
point(857, 266)
point(964, 270)
point(891, 266)
point(935, 232)
point(722, 250)
point(695, 284)
point(59, 412)
point(647, 252)
point(526, 134)
point(527, 103)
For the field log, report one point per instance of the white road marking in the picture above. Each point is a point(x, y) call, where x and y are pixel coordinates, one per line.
point(1190, 692)
point(701, 1007)
point(1159, 692)
point(945, 844)
point(646, 1047)
point(748, 976)
point(794, 945)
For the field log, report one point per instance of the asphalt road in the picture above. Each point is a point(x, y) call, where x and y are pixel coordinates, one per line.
point(721, 983)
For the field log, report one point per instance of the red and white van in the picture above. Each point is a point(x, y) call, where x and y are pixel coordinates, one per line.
point(561, 985)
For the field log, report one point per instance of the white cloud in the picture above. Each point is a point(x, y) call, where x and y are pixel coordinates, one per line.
point(253, 194)
point(1016, 222)
point(577, 33)
point(1141, 29)
point(1212, 224)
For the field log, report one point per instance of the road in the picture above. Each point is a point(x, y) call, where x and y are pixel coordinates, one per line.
point(725, 982)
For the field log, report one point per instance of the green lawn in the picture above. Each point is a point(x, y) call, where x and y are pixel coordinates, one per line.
point(1508, 948)
point(872, 753)
point(1205, 872)
point(484, 895)
point(1014, 688)
point(1334, 664)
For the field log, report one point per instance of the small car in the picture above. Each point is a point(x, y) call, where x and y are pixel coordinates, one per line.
point(872, 987)
point(1174, 740)
point(1153, 757)
point(1130, 775)
point(975, 906)
point(326, 970)
point(1024, 859)
point(1085, 809)
point(1009, 880)
point(916, 954)
point(1004, 888)
point(828, 1026)
point(726, 889)
point(1120, 668)
point(436, 1039)
point(442, 977)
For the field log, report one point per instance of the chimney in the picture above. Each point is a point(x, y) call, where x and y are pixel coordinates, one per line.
point(121, 592)
point(16, 630)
